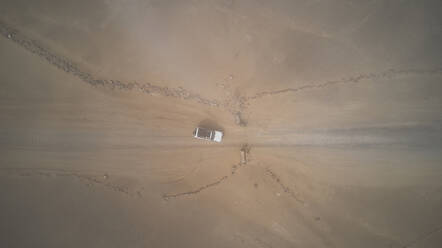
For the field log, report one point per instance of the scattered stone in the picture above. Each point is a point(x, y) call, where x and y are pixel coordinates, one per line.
point(9, 36)
point(239, 120)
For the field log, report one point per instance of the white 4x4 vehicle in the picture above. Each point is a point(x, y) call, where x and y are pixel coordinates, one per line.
point(208, 134)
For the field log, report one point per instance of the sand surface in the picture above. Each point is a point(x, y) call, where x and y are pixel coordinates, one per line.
point(339, 102)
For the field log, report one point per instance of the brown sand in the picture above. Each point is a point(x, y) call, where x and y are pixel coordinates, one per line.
point(339, 102)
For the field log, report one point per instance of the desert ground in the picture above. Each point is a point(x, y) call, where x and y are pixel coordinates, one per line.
point(338, 103)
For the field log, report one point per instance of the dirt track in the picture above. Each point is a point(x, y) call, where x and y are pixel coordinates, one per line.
point(339, 102)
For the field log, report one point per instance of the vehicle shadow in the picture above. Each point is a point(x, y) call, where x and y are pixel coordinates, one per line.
point(210, 124)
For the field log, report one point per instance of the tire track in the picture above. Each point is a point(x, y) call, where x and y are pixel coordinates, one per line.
point(234, 105)
point(196, 191)
point(286, 189)
point(70, 67)
point(423, 237)
point(390, 73)
point(245, 148)
point(88, 180)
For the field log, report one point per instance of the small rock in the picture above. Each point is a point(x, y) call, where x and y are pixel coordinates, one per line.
point(9, 36)
point(243, 157)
